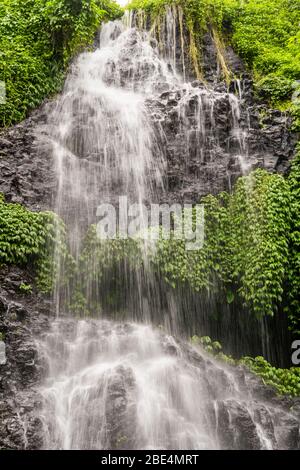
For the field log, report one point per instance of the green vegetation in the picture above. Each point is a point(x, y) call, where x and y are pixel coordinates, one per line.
point(28, 239)
point(250, 247)
point(250, 254)
point(100, 260)
point(37, 40)
point(25, 288)
point(213, 347)
point(284, 381)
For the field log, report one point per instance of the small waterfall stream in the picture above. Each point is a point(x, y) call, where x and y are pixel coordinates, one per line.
point(132, 385)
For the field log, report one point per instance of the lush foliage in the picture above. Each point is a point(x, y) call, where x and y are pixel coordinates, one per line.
point(25, 288)
point(245, 247)
point(29, 238)
point(251, 246)
point(293, 273)
point(100, 264)
point(266, 35)
point(37, 40)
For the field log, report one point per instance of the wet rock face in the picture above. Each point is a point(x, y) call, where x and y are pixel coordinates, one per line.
point(22, 318)
point(209, 156)
point(247, 414)
point(26, 172)
point(120, 414)
point(238, 407)
point(212, 137)
point(127, 386)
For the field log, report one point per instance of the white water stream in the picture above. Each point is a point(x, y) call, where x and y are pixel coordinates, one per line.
point(114, 385)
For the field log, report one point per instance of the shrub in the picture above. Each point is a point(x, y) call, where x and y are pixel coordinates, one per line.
point(37, 40)
point(275, 88)
point(29, 238)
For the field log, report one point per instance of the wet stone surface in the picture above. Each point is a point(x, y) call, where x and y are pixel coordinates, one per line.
point(22, 319)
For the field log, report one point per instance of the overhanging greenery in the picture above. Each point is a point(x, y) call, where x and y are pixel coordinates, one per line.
point(35, 239)
point(37, 40)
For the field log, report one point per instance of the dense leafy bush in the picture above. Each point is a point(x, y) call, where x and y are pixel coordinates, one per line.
point(29, 238)
point(250, 253)
point(274, 86)
point(251, 248)
point(246, 246)
point(265, 33)
point(22, 234)
point(37, 40)
point(285, 381)
point(293, 273)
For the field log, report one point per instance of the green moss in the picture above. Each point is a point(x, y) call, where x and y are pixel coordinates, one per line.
point(37, 40)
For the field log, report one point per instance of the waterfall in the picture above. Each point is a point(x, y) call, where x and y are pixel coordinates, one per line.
point(132, 385)
point(117, 385)
point(108, 132)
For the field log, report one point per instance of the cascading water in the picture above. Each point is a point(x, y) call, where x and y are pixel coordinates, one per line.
point(127, 386)
point(131, 385)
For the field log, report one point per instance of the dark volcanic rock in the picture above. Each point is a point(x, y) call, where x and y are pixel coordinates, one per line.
point(210, 138)
point(26, 171)
point(120, 412)
point(245, 409)
point(22, 318)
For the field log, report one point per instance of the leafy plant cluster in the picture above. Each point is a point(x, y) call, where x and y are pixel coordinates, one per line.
point(213, 347)
point(251, 246)
point(29, 239)
point(293, 272)
point(285, 381)
point(37, 40)
point(266, 35)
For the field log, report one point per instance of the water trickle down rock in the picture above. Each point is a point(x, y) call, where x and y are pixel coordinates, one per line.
point(129, 386)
